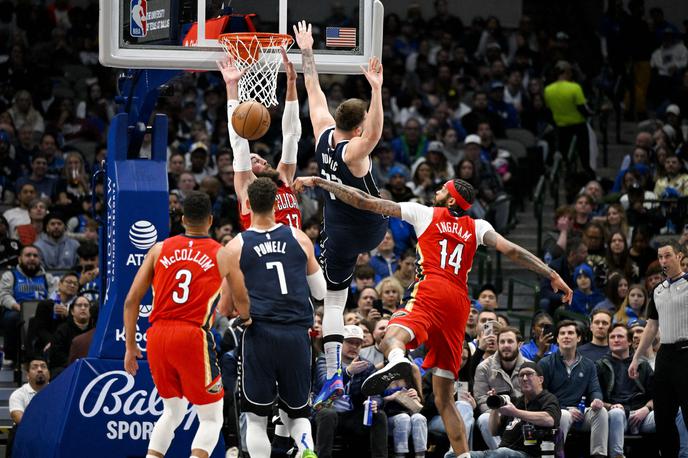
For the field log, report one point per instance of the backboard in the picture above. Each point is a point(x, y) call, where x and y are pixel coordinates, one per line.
point(182, 34)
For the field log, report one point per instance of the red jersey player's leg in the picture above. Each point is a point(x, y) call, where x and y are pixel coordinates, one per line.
point(197, 366)
point(164, 372)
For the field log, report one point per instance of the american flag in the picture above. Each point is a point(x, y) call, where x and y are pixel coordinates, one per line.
point(340, 36)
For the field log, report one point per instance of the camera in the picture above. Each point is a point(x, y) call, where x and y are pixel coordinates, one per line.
point(496, 401)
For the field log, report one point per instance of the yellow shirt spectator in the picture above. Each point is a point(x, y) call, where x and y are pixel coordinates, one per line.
point(563, 98)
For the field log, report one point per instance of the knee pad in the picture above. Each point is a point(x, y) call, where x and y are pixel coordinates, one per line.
point(210, 424)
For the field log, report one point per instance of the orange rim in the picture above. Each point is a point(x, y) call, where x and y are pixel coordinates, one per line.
point(265, 39)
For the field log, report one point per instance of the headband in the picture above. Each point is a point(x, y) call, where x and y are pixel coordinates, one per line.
point(460, 201)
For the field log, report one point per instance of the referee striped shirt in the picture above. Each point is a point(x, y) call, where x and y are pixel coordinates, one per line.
point(669, 305)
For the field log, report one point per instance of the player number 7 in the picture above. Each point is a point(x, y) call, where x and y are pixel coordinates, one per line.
point(280, 274)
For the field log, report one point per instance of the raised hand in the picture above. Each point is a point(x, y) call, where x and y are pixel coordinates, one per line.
point(304, 35)
point(230, 73)
point(374, 72)
point(288, 66)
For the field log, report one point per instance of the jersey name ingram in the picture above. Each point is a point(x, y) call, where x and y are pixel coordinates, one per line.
point(455, 228)
point(270, 247)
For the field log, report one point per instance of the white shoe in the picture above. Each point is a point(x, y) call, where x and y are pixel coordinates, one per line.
point(232, 453)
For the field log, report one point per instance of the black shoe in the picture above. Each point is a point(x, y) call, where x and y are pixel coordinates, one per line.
point(380, 380)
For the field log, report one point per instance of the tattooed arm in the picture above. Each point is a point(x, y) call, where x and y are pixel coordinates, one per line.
point(526, 259)
point(351, 196)
point(317, 102)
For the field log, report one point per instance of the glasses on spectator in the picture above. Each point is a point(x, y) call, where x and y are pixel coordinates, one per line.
point(70, 282)
point(82, 304)
point(527, 374)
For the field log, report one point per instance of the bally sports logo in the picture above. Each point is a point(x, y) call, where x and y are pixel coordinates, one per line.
point(115, 394)
point(143, 234)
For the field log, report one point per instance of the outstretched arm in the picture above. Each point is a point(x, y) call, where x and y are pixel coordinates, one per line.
point(243, 174)
point(351, 196)
point(317, 103)
point(525, 258)
point(360, 147)
point(291, 126)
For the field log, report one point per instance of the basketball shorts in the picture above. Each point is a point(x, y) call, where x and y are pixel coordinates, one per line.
point(275, 365)
point(183, 362)
point(436, 314)
point(340, 247)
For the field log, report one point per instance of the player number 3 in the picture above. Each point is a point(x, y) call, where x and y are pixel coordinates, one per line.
point(183, 286)
point(454, 259)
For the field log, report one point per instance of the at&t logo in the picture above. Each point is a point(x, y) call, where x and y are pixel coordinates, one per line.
point(143, 236)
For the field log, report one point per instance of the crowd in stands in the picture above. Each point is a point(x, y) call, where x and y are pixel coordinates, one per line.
point(475, 101)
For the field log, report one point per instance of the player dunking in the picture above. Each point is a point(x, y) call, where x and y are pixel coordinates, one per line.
point(343, 144)
point(438, 307)
point(247, 166)
point(186, 272)
point(273, 267)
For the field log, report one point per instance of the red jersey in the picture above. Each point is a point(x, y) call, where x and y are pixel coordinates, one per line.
point(446, 243)
point(186, 280)
point(287, 211)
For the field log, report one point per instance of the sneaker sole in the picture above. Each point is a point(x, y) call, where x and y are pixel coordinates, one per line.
point(378, 382)
point(328, 402)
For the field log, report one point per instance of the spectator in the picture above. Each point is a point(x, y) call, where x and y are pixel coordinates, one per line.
point(50, 314)
point(570, 377)
point(406, 273)
point(634, 306)
point(73, 187)
point(23, 112)
point(88, 270)
point(366, 299)
point(38, 376)
point(45, 185)
point(403, 404)
point(537, 408)
point(675, 178)
point(391, 292)
point(628, 401)
point(176, 165)
point(498, 373)
point(583, 212)
point(576, 253)
point(19, 215)
point(26, 282)
point(397, 185)
point(423, 183)
point(411, 144)
point(53, 156)
point(9, 247)
point(600, 324)
point(373, 353)
point(185, 183)
point(615, 220)
point(480, 113)
point(28, 233)
point(641, 252)
point(487, 297)
point(555, 241)
point(505, 110)
point(541, 337)
point(57, 250)
point(346, 412)
point(384, 262)
point(436, 158)
point(384, 162)
point(78, 322)
point(585, 295)
point(499, 158)
point(618, 258)
point(667, 62)
point(616, 291)
point(566, 100)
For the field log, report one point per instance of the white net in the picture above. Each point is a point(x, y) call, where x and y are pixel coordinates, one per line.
point(259, 54)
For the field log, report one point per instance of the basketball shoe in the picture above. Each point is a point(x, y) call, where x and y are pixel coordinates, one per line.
point(378, 381)
point(308, 453)
point(331, 390)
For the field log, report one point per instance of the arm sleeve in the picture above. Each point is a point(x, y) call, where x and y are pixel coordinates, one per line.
point(482, 227)
point(317, 285)
point(240, 147)
point(291, 132)
point(418, 215)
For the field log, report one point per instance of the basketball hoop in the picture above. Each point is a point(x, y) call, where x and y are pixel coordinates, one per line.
point(258, 54)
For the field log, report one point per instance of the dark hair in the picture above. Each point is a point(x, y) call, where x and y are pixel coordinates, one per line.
point(350, 114)
point(566, 323)
point(71, 273)
point(22, 249)
point(612, 288)
point(467, 191)
point(409, 253)
point(517, 333)
point(364, 271)
point(261, 195)
point(310, 223)
point(629, 331)
point(196, 207)
point(87, 250)
point(488, 287)
point(673, 244)
point(604, 312)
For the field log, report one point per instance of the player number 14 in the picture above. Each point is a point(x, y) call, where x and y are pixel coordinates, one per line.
point(454, 258)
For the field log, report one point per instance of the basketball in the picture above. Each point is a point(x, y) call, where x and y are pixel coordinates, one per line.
point(251, 120)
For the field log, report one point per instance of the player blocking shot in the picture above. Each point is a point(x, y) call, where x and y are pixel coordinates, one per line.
point(273, 274)
point(185, 272)
point(248, 166)
point(343, 147)
point(437, 309)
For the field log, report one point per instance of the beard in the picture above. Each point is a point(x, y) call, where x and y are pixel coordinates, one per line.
point(41, 380)
point(508, 357)
point(30, 270)
point(436, 202)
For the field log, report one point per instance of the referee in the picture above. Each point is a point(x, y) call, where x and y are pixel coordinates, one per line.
point(668, 311)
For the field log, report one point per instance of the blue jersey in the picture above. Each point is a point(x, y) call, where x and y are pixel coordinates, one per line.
point(274, 268)
point(332, 168)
